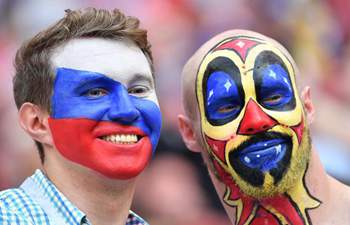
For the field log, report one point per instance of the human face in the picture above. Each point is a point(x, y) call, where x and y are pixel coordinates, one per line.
point(252, 120)
point(104, 111)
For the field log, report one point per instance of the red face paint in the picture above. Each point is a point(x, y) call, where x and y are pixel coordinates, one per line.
point(79, 140)
point(252, 122)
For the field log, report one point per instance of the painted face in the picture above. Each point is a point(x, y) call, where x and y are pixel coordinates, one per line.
point(252, 119)
point(105, 114)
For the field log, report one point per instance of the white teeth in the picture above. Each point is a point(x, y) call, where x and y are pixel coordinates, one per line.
point(121, 138)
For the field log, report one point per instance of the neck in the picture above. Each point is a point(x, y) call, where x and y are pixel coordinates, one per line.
point(103, 200)
point(309, 201)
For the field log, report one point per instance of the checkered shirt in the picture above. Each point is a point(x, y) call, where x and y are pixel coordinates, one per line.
point(38, 202)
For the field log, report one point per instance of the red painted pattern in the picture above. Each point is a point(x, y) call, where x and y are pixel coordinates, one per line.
point(299, 129)
point(255, 120)
point(282, 204)
point(239, 45)
point(79, 140)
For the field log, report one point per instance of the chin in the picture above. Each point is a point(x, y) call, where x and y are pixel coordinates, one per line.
point(291, 169)
point(125, 172)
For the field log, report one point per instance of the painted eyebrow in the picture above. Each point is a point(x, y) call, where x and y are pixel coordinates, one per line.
point(89, 82)
point(96, 78)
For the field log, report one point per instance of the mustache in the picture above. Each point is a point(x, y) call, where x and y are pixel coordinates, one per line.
point(263, 136)
point(255, 176)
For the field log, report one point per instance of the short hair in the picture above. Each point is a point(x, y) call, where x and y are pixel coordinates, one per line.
point(34, 74)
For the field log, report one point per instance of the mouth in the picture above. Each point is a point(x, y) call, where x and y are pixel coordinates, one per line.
point(124, 139)
point(264, 155)
point(268, 152)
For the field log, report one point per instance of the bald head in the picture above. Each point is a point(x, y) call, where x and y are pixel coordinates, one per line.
point(190, 70)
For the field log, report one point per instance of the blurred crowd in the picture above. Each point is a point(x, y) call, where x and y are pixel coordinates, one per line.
point(176, 185)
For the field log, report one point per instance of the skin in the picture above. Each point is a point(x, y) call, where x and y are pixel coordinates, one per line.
point(329, 192)
point(125, 63)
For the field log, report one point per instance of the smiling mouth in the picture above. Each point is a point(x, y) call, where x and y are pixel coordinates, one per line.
point(125, 139)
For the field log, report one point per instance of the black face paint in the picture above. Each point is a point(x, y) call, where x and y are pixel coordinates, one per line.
point(273, 86)
point(254, 173)
point(223, 95)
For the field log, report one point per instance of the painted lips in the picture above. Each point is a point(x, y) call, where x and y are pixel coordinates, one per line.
point(263, 155)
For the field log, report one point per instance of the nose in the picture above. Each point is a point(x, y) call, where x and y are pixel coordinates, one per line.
point(255, 120)
point(122, 108)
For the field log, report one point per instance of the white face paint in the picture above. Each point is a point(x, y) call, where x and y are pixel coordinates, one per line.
point(121, 60)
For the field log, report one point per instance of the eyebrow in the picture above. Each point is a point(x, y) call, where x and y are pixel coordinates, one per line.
point(141, 77)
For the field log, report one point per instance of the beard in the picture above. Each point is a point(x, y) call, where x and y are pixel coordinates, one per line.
point(261, 182)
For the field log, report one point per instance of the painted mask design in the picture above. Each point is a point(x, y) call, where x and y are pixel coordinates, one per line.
point(252, 121)
point(96, 123)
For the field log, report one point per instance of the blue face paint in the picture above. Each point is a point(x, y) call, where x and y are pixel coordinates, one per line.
point(272, 82)
point(223, 99)
point(90, 95)
point(224, 95)
point(275, 82)
point(264, 155)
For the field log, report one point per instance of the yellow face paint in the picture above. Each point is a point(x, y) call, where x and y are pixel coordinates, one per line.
point(252, 119)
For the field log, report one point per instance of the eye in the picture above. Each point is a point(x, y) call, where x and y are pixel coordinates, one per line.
point(139, 91)
point(228, 108)
point(273, 99)
point(96, 93)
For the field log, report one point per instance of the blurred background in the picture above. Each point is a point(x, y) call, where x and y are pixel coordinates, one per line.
point(176, 184)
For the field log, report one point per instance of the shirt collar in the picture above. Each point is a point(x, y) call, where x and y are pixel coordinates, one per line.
point(65, 208)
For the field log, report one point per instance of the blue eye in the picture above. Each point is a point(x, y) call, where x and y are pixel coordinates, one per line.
point(96, 93)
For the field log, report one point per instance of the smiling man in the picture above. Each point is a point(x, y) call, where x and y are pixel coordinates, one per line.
point(85, 92)
point(245, 115)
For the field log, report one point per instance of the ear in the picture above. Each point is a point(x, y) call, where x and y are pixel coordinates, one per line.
point(308, 105)
point(34, 121)
point(188, 134)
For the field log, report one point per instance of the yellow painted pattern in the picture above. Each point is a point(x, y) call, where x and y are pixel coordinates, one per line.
point(285, 120)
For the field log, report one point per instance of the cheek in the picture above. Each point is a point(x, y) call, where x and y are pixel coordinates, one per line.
point(75, 107)
point(289, 118)
point(72, 137)
point(151, 119)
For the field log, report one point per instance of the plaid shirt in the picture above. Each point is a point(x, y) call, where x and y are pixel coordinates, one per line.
point(38, 202)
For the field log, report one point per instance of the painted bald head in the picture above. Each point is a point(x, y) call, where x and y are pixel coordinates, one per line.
point(240, 90)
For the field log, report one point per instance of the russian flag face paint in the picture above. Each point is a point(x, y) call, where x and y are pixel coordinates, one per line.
point(96, 123)
point(102, 123)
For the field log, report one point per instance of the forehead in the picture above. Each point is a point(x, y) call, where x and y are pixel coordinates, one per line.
point(245, 52)
point(120, 60)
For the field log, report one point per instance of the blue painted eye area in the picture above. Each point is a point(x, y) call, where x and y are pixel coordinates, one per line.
point(272, 82)
point(223, 91)
point(79, 94)
point(96, 93)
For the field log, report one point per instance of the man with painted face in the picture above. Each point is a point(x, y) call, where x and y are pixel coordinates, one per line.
point(85, 92)
point(243, 112)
